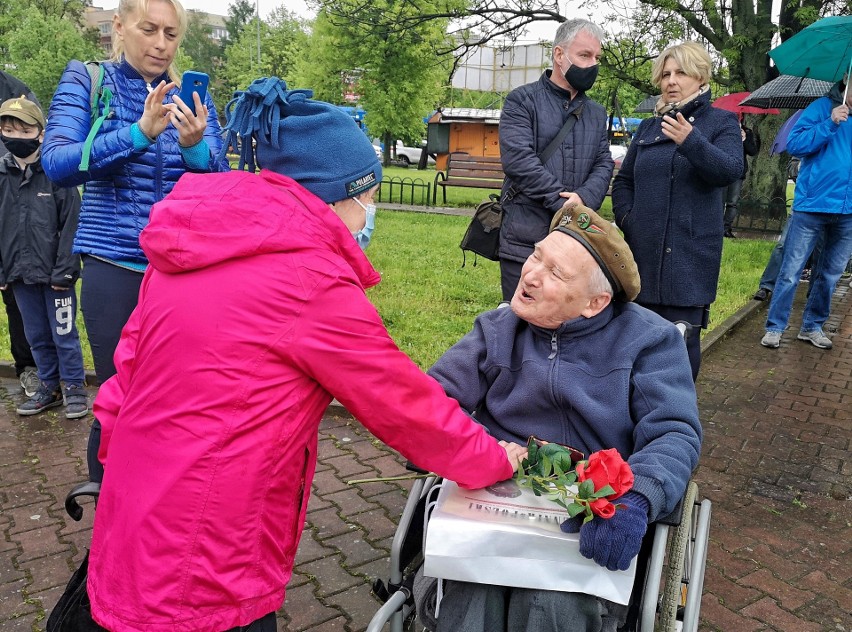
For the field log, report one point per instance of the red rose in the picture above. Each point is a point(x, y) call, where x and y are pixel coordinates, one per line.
point(606, 468)
point(602, 507)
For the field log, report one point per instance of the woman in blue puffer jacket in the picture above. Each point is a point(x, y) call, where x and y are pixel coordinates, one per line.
point(147, 141)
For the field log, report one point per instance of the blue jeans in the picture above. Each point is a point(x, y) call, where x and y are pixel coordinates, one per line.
point(52, 333)
point(803, 232)
point(770, 273)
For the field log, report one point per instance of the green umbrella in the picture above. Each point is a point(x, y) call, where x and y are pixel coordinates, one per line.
point(822, 50)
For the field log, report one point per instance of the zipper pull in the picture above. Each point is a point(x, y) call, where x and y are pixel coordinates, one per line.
point(552, 346)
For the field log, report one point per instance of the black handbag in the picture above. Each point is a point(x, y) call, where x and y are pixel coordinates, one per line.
point(73, 611)
point(482, 236)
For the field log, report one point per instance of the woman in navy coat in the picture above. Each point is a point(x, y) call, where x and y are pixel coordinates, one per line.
point(668, 196)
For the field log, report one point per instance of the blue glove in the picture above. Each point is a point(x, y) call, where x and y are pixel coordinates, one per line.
point(613, 542)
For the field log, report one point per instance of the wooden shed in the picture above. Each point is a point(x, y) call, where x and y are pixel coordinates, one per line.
point(470, 130)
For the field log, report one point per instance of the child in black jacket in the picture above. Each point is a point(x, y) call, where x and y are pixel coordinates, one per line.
point(37, 224)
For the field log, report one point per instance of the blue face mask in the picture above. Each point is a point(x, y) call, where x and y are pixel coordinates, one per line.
point(363, 236)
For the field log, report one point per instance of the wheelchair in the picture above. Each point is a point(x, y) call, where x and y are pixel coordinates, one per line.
point(669, 578)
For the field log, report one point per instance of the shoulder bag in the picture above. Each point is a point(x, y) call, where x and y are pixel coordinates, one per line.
point(482, 236)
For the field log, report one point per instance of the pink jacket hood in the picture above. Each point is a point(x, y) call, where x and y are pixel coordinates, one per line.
point(208, 219)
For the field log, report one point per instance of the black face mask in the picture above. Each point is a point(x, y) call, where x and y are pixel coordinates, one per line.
point(581, 79)
point(21, 147)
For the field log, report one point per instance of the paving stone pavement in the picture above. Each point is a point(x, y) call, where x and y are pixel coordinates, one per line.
point(775, 464)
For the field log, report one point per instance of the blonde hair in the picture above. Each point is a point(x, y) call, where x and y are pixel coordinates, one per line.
point(127, 7)
point(690, 56)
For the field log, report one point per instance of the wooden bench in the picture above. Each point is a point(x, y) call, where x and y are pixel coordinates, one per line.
point(464, 170)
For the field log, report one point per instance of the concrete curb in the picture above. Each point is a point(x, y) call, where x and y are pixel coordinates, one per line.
point(729, 324)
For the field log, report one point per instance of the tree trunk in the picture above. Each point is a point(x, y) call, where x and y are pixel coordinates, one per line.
point(763, 202)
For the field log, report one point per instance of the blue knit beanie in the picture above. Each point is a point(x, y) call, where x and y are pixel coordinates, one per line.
point(315, 143)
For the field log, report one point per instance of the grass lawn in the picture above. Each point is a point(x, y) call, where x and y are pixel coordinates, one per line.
point(428, 300)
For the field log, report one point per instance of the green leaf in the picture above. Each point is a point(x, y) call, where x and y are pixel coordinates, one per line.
point(575, 509)
point(563, 460)
point(606, 490)
point(586, 489)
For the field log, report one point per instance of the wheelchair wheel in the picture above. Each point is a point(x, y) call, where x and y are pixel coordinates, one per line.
point(678, 571)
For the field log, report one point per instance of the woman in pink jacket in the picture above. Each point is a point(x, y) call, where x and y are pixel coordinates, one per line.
point(208, 472)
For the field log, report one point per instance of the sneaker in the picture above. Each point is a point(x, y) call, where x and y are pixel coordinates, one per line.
point(806, 275)
point(730, 234)
point(762, 294)
point(76, 402)
point(772, 339)
point(817, 338)
point(44, 398)
point(30, 381)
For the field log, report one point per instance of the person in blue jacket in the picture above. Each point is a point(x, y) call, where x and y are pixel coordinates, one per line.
point(148, 140)
point(574, 361)
point(668, 196)
point(822, 209)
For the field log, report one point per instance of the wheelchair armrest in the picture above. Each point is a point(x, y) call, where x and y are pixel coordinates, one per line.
point(675, 517)
point(89, 488)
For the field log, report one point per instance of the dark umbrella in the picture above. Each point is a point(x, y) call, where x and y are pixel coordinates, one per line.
point(787, 91)
point(647, 105)
point(780, 143)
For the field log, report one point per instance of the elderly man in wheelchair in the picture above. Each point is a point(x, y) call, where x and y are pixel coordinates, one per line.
point(575, 362)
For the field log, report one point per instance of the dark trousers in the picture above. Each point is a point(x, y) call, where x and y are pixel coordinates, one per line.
point(698, 317)
point(49, 322)
point(510, 276)
point(265, 624)
point(18, 343)
point(470, 607)
point(732, 203)
point(107, 297)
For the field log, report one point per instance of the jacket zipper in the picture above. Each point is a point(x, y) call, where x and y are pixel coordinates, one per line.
point(553, 346)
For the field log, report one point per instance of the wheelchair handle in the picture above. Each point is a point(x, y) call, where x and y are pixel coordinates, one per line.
point(89, 488)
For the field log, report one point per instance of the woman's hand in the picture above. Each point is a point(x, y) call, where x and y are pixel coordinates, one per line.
point(676, 128)
point(515, 453)
point(155, 117)
point(190, 126)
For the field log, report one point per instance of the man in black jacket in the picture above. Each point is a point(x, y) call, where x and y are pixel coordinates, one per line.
point(580, 169)
point(751, 145)
point(11, 87)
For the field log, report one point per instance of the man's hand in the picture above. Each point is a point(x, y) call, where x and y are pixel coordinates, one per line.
point(676, 128)
point(571, 200)
point(840, 114)
point(515, 453)
point(614, 542)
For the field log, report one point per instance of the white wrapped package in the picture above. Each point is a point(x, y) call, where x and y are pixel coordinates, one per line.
point(508, 536)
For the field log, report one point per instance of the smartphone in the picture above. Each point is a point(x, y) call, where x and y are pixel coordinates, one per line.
point(193, 81)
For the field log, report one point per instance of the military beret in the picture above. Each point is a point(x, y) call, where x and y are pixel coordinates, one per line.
point(604, 242)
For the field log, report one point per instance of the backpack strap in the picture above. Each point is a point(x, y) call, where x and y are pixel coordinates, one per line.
point(100, 98)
